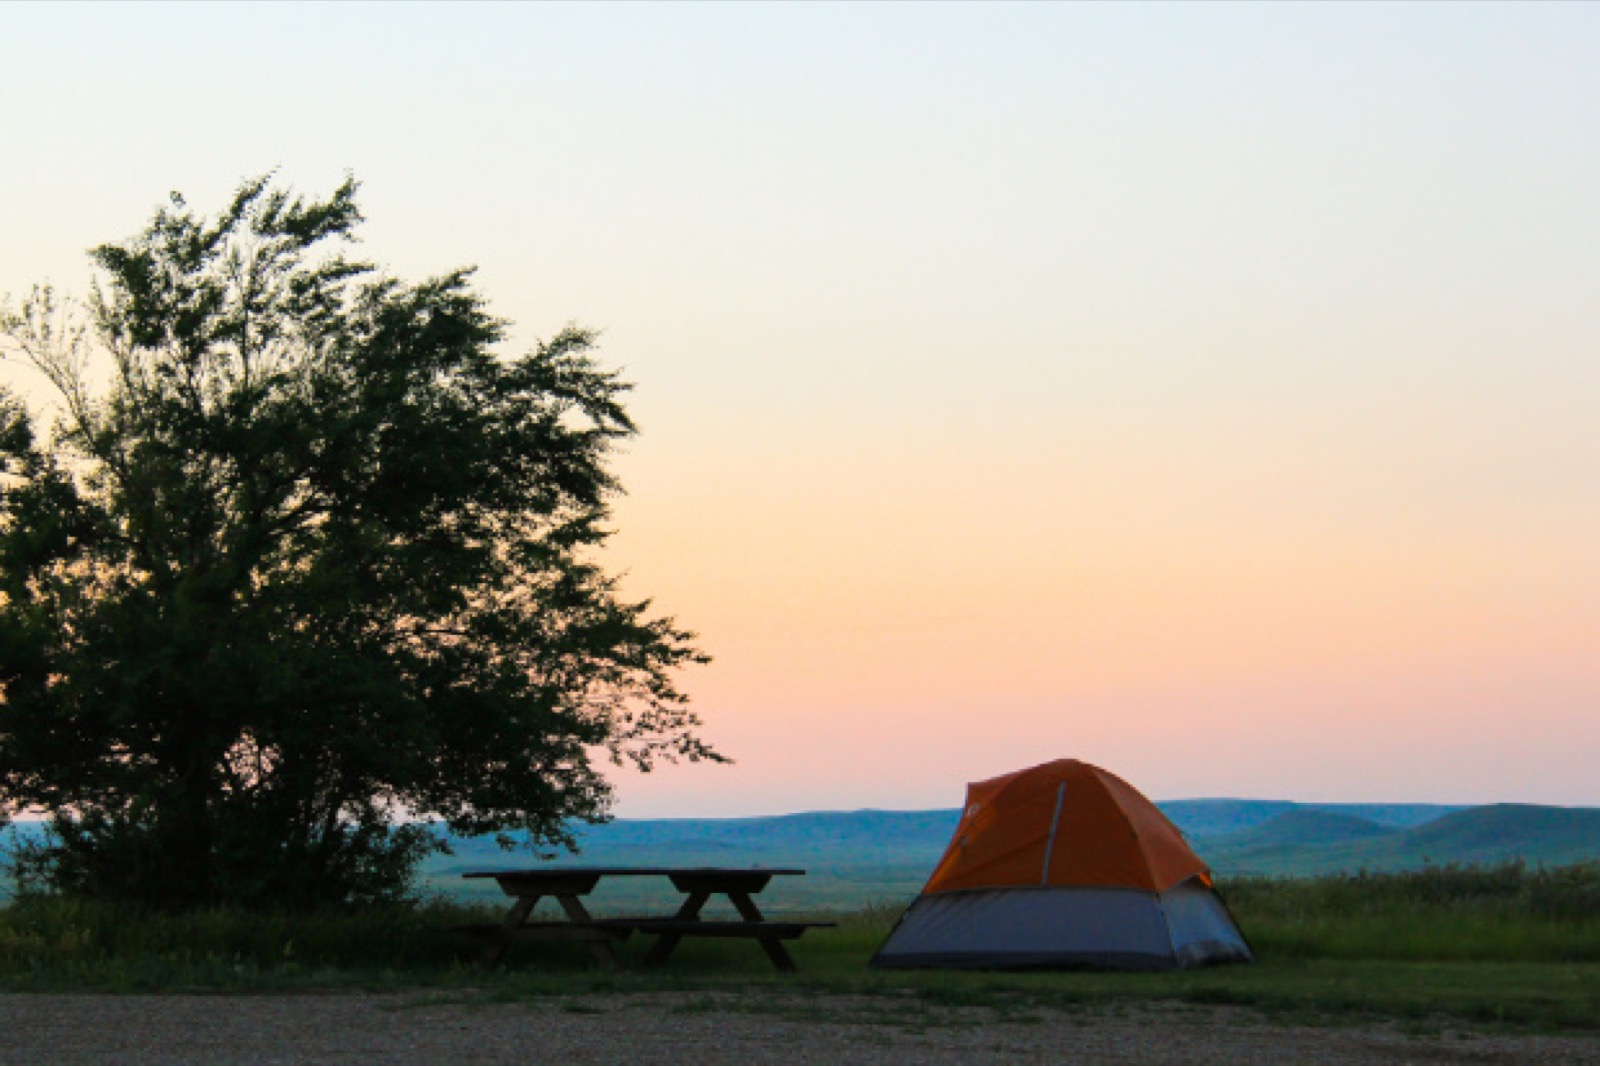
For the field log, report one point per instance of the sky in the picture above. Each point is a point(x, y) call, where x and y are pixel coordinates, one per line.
point(1206, 391)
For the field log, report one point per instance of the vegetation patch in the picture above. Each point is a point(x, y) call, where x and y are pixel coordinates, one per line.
point(1508, 946)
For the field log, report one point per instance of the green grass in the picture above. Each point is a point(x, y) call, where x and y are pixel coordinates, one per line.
point(1499, 946)
point(1507, 913)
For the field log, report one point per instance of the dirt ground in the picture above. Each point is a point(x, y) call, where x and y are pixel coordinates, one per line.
point(700, 1029)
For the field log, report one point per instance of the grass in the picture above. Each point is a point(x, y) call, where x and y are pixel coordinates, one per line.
point(1505, 913)
point(1505, 945)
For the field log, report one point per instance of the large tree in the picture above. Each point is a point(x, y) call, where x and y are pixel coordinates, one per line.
point(302, 562)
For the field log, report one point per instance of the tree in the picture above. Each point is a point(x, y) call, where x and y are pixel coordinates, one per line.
point(303, 562)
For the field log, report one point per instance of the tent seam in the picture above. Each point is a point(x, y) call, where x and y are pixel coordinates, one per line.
point(1050, 844)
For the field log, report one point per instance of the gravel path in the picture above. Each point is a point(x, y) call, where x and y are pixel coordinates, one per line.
point(696, 1029)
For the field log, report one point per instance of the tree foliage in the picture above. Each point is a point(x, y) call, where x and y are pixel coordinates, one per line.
point(303, 559)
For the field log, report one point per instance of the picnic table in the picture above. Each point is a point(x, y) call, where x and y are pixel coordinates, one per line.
point(568, 885)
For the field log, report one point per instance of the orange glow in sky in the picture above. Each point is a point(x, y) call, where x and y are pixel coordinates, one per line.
point(1205, 391)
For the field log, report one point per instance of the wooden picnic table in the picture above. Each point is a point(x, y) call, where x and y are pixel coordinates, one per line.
point(568, 885)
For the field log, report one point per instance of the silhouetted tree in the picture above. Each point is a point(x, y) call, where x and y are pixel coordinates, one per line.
point(303, 560)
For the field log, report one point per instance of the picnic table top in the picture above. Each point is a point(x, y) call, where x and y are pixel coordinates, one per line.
point(630, 871)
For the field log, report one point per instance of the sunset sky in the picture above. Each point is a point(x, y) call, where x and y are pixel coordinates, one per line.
point(1209, 392)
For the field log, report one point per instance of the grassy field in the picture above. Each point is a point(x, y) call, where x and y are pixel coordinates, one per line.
point(1506, 945)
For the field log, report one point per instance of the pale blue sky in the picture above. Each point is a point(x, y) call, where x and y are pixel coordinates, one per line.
point(1015, 368)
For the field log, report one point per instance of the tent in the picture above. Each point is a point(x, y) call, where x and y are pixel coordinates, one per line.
point(1065, 865)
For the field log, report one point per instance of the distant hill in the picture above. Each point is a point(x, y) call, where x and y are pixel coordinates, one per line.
point(1510, 830)
point(1295, 828)
point(1300, 846)
point(825, 835)
point(1217, 817)
point(858, 857)
point(854, 857)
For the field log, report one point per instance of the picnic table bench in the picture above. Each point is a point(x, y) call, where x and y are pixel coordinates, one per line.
point(568, 886)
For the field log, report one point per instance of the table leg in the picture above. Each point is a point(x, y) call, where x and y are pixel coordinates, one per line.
point(771, 945)
point(514, 918)
point(602, 950)
point(667, 941)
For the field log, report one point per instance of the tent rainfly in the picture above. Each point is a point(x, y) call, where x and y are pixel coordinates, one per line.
point(1065, 866)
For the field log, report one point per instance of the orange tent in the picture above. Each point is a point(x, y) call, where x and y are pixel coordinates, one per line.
point(1063, 823)
point(1064, 865)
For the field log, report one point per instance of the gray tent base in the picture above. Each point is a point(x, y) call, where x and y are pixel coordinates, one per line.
point(1065, 928)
